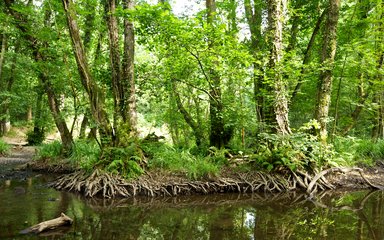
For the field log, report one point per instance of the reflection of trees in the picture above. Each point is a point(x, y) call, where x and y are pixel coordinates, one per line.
point(285, 216)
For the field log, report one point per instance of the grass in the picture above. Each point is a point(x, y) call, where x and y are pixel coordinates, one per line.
point(182, 161)
point(4, 148)
point(85, 154)
point(359, 151)
point(51, 151)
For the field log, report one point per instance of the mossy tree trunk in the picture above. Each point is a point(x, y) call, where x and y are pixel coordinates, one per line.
point(280, 102)
point(95, 94)
point(219, 135)
point(327, 60)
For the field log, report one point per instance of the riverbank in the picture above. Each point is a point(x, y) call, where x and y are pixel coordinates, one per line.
point(158, 182)
point(163, 183)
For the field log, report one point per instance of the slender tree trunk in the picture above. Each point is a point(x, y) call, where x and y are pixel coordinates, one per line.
point(327, 60)
point(307, 56)
point(218, 134)
point(254, 20)
point(129, 88)
point(54, 106)
point(114, 52)
point(275, 18)
point(95, 95)
point(2, 53)
point(199, 136)
point(4, 111)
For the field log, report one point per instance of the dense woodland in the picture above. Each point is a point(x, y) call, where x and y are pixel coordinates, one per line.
point(274, 82)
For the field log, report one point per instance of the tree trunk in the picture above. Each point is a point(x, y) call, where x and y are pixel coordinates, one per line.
point(327, 61)
point(275, 16)
point(4, 111)
point(114, 55)
point(129, 87)
point(95, 95)
point(199, 136)
point(307, 56)
point(219, 136)
point(54, 106)
point(254, 20)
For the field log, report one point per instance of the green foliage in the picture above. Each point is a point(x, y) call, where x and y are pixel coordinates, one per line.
point(359, 151)
point(296, 151)
point(49, 151)
point(125, 161)
point(85, 154)
point(4, 148)
point(35, 137)
point(182, 161)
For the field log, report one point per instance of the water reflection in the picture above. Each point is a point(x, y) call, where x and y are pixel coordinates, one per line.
point(332, 215)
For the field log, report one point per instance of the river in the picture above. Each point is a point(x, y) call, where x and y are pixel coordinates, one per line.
point(332, 215)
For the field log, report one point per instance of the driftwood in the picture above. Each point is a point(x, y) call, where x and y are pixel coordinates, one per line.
point(63, 220)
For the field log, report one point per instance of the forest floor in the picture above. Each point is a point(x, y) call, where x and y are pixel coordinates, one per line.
point(19, 163)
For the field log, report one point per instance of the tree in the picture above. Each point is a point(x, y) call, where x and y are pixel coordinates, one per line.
point(327, 60)
point(275, 21)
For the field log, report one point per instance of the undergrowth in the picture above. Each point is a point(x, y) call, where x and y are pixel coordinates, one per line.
point(4, 148)
point(180, 160)
point(50, 151)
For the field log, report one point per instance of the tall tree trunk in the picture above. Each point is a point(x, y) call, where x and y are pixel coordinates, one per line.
point(327, 61)
point(2, 53)
point(95, 95)
point(43, 77)
point(275, 19)
point(254, 20)
point(114, 55)
point(219, 136)
point(128, 75)
point(4, 113)
point(307, 55)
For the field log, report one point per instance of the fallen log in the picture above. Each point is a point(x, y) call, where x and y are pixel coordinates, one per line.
point(63, 220)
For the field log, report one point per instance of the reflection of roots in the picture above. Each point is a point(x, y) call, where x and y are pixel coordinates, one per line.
point(108, 185)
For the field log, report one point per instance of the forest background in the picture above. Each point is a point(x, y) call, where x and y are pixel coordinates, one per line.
point(274, 83)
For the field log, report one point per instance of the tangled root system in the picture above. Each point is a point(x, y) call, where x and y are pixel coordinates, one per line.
point(108, 185)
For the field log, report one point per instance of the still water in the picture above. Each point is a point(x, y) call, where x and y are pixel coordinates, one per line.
point(333, 215)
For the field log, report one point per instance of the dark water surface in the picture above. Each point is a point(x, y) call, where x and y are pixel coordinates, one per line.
point(353, 215)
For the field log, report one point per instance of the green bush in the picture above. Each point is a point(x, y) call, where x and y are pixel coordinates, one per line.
point(35, 137)
point(50, 151)
point(125, 161)
point(295, 151)
point(4, 148)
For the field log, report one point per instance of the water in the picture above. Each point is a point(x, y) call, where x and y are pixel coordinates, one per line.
point(353, 215)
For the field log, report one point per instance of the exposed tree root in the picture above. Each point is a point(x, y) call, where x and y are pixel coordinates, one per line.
point(108, 185)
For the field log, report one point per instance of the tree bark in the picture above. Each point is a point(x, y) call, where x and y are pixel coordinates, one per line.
point(307, 56)
point(199, 136)
point(327, 61)
point(6, 87)
point(95, 95)
point(114, 53)
point(254, 20)
point(275, 16)
point(219, 136)
point(129, 87)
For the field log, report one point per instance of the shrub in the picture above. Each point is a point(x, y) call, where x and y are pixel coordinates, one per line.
point(35, 137)
point(295, 151)
point(4, 148)
point(85, 154)
point(50, 151)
